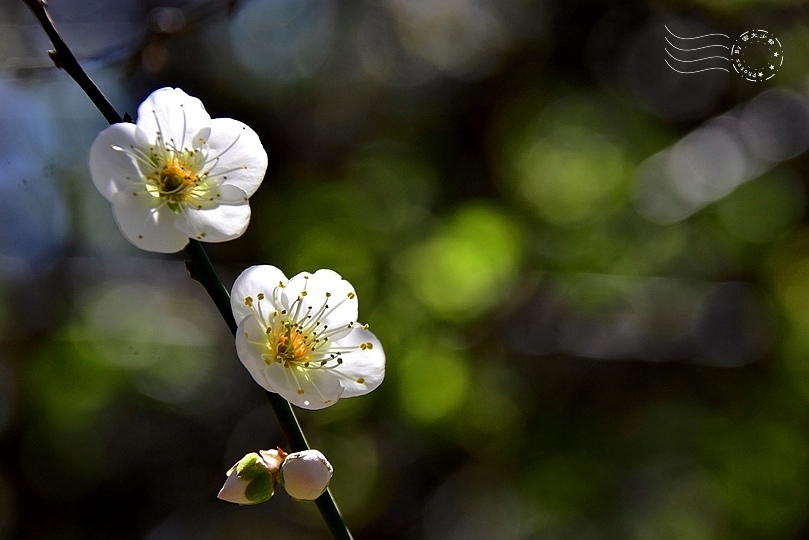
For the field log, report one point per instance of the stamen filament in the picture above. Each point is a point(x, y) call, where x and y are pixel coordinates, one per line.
point(220, 154)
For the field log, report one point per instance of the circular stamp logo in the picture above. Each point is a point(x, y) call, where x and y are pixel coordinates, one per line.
point(756, 55)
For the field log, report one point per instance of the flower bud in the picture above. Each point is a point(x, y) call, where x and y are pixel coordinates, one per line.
point(306, 475)
point(273, 459)
point(250, 481)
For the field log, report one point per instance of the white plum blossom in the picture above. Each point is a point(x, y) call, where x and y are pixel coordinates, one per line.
point(300, 337)
point(178, 174)
point(306, 475)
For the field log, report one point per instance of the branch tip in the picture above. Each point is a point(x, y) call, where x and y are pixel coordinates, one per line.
point(54, 55)
point(189, 265)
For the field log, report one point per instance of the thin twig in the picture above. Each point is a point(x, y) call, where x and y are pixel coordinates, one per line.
point(64, 58)
point(199, 266)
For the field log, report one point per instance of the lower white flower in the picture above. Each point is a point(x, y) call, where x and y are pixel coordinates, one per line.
point(177, 174)
point(300, 337)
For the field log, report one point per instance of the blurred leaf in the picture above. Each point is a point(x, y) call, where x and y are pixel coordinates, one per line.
point(571, 175)
point(433, 381)
point(468, 265)
point(755, 463)
point(564, 486)
point(763, 210)
point(67, 386)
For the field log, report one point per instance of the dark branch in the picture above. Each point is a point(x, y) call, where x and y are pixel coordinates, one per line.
point(199, 265)
point(64, 59)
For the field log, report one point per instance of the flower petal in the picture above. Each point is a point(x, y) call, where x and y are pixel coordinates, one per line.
point(307, 388)
point(175, 114)
point(216, 224)
point(136, 197)
point(250, 345)
point(332, 299)
point(110, 166)
point(150, 229)
point(236, 155)
point(306, 475)
point(363, 369)
point(254, 280)
point(227, 194)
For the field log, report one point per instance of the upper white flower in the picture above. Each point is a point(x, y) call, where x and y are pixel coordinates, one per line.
point(178, 174)
point(300, 337)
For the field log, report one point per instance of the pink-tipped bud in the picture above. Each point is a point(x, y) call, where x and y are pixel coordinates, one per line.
point(306, 475)
point(252, 479)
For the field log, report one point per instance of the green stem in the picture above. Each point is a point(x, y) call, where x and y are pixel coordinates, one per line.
point(202, 270)
point(199, 265)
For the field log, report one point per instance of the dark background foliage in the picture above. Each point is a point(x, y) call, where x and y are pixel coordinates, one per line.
point(590, 273)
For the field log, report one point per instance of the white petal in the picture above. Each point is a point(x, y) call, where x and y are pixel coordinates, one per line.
point(307, 388)
point(111, 168)
point(249, 348)
point(306, 475)
point(135, 198)
point(365, 365)
point(150, 229)
point(234, 490)
point(226, 194)
point(254, 280)
point(175, 114)
point(342, 300)
point(216, 224)
point(237, 154)
point(201, 138)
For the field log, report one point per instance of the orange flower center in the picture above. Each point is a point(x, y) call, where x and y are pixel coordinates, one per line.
point(174, 179)
point(290, 346)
